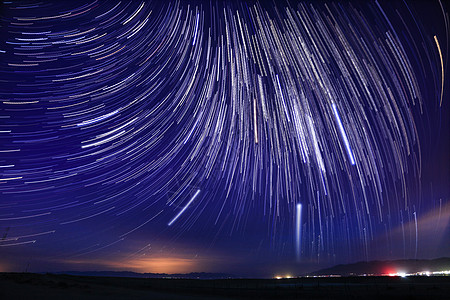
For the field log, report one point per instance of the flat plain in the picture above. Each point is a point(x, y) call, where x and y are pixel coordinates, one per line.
point(49, 286)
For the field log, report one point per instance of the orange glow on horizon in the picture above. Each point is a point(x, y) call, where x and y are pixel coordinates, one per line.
point(169, 265)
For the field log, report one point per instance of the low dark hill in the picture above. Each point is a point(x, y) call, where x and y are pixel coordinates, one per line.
point(387, 267)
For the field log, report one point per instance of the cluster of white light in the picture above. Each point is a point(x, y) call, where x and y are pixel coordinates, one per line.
point(421, 273)
point(398, 274)
point(283, 277)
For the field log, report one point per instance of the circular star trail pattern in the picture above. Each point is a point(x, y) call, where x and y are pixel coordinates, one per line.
point(124, 116)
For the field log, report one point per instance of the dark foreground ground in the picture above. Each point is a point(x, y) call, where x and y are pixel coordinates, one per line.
point(37, 286)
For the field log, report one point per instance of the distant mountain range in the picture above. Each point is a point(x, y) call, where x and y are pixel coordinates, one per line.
point(359, 268)
point(388, 267)
point(196, 275)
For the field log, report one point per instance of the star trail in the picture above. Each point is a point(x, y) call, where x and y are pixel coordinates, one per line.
point(124, 124)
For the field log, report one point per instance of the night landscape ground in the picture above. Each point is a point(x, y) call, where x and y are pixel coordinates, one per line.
point(365, 283)
point(40, 286)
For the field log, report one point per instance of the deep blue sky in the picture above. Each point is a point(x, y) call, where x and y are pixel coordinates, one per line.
point(186, 136)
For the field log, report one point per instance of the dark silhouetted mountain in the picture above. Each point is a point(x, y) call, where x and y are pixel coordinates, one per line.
point(197, 275)
point(388, 267)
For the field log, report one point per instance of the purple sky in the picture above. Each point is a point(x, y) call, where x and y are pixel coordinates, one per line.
point(185, 137)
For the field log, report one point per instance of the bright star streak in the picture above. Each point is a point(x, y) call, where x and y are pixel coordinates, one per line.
point(442, 68)
point(344, 135)
point(184, 208)
point(195, 34)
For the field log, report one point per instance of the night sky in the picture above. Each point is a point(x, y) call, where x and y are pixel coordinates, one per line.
point(253, 138)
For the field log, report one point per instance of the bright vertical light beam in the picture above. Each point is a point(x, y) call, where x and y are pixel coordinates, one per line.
point(298, 232)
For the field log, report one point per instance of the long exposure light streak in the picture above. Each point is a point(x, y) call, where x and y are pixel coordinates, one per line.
point(298, 231)
point(442, 68)
point(343, 134)
point(184, 208)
